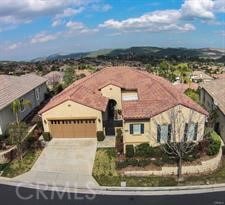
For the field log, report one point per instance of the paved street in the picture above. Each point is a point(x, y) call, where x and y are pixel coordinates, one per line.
point(64, 162)
point(11, 195)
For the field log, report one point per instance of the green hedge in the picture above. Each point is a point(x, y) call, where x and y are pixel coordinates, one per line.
point(100, 136)
point(129, 151)
point(144, 150)
point(214, 144)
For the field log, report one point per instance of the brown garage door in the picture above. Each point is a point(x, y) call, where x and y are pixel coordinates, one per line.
point(82, 128)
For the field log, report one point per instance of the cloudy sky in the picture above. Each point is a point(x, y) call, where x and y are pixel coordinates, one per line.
point(34, 28)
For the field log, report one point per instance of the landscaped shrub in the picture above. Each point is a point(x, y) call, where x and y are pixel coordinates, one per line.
point(129, 151)
point(214, 144)
point(47, 137)
point(132, 162)
point(100, 136)
point(119, 141)
point(144, 150)
point(121, 164)
point(144, 162)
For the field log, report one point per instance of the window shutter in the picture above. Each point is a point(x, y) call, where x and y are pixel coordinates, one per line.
point(169, 132)
point(158, 133)
point(131, 129)
point(185, 132)
point(196, 131)
point(142, 128)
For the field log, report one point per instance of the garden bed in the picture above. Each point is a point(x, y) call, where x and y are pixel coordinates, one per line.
point(17, 167)
point(106, 174)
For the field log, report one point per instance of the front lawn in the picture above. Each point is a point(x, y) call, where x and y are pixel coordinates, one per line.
point(17, 167)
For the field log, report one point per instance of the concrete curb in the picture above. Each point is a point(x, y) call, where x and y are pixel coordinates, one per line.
point(102, 190)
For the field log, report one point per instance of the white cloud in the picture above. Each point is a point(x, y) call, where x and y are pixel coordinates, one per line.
point(23, 11)
point(75, 25)
point(43, 37)
point(14, 46)
point(79, 27)
point(219, 5)
point(101, 7)
point(69, 12)
point(198, 9)
point(57, 22)
point(166, 20)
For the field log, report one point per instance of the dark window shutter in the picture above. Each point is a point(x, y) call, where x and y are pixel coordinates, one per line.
point(169, 132)
point(131, 129)
point(185, 132)
point(196, 131)
point(142, 128)
point(158, 133)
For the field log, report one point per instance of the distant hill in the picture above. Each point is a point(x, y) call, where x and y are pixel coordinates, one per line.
point(141, 51)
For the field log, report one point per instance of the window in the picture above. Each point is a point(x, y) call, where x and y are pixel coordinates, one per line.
point(190, 131)
point(129, 96)
point(164, 133)
point(136, 129)
point(37, 93)
point(22, 108)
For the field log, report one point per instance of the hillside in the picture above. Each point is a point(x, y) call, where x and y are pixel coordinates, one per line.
point(141, 52)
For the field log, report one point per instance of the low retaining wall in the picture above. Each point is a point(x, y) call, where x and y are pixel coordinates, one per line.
point(205, 166)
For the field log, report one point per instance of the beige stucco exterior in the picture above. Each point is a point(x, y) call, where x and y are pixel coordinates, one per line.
point(209, 104)
point(178, 115)
point(113, 92)
point(72, 110)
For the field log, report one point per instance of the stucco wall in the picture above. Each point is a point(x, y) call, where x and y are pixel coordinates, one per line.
point(209, 105)
point(205, 167)
point(113, 92)
point(7, 116)
point(178, 115)
point(70, 109)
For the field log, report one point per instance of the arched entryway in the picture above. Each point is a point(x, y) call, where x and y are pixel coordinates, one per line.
point(111, 110)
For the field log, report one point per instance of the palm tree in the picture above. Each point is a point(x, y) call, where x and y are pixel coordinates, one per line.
point(183, 71)
point(18, 105)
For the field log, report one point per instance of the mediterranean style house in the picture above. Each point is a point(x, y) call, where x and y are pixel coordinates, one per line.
point(212, 96)
point(146, 107)
point(29, 86)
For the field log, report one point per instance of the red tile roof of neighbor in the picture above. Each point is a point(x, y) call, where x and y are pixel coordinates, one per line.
point(183, 87)
point(155, 93)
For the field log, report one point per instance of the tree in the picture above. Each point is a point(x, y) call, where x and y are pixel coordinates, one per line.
point(18, 105)
point(179, 137)
point(17, 133)
point(69, 76)
point(184, 72)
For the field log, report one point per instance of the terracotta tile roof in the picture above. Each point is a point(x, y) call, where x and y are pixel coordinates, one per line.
point(183, 87)
point(14, 87)
point(54, 77)
point(216, 89)
point(155, 93)
point(219, 76)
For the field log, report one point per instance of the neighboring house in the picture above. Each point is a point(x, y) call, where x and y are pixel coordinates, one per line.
point(54, 78)
point(30, 87)
point(182, 87)
point(219, 76)
point(138, 102)
point(200, 76)
point(212, 96)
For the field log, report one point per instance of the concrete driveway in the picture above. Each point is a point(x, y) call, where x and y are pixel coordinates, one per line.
point(64, 162)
